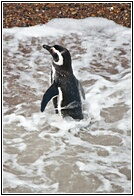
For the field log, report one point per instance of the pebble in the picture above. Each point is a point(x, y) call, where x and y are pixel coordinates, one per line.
point(30, 14)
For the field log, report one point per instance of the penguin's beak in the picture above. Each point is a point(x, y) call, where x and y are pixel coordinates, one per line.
point(47, 48)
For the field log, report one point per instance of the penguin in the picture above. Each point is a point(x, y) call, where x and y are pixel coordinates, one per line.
point(65, 90)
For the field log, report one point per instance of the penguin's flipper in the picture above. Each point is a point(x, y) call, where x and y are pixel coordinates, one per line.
point(49, 94)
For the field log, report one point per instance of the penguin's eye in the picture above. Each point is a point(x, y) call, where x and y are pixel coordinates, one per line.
point(51, 51)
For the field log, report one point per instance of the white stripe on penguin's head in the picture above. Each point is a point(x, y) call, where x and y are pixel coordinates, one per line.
point(57, 57)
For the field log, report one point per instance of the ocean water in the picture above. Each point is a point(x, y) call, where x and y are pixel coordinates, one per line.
point(44, 153)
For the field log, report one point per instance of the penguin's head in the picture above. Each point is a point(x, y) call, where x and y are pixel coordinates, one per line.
point(61, 56)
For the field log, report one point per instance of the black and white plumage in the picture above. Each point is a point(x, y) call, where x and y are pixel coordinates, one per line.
point(65, 90)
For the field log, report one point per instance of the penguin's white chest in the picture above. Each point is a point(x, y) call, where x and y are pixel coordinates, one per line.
point(53, 73)
point(60, 98)
point(60, 95)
